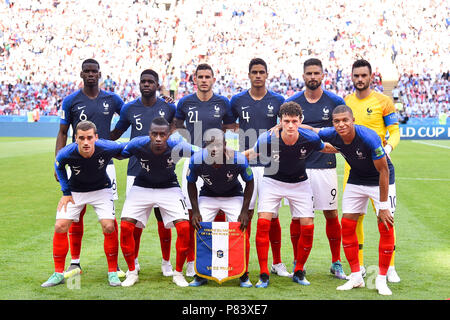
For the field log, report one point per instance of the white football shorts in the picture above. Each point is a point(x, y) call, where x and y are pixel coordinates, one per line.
point(140, 201)
point(100, 200)
point(258, 173)
point(356, 198)
point(324, 185)
point(298, 194)
point(210, 206)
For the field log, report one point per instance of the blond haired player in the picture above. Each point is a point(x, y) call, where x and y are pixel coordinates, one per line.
point(376, 111)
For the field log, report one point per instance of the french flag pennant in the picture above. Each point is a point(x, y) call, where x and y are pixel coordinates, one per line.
point(220, 251)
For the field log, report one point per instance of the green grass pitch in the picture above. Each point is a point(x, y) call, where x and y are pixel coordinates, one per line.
point(29, 195)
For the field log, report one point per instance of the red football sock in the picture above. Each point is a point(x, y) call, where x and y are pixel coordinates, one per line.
point(275, 240)
point(350, 243)
point(295, 235)
point(76, 231)
point(333, 230)
point(60, 249)
point(191, 250)
point(182, 244)
point(262, 243)
point(386, 247)
point(165, 238)
point(247, 243)
point(304, 246)
point(220, 217)
point(127, 243)
point(137, 233)
point(111, 246)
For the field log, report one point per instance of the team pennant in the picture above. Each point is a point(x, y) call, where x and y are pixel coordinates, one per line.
point(220, 251)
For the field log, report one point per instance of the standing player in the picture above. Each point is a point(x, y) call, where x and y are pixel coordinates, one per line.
point(371, 177)
point(155, 184)
point(96, 105)
point(88, 184)
point(197, 113)
point(220, 167)
point(317, 106)
point(139, 114)
point(286, 178)
point(376, 111)
point(257, 111)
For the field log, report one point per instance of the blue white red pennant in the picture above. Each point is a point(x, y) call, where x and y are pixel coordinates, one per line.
point(220, 251)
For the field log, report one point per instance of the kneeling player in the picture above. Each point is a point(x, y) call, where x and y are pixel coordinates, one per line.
point(371, 177)
point(219, 167)
point(286, 178)
point(89, 184)
point(156, 185)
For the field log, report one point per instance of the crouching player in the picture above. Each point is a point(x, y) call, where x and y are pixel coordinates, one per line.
point(219, 167)
point(89, 184)
point(156, 185)
point(371, 177)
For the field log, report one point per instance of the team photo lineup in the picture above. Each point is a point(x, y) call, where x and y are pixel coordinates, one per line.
point(294, 161)
point(224, 125)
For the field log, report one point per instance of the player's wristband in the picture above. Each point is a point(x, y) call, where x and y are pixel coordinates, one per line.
point(388, 149)
point(384, 205)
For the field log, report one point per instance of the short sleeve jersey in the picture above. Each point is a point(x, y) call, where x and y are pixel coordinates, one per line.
point(200, 116)
point(360, 154)
point(157, 170)
point(140, 117)
point(287, 163)
point(223, 180)
point(318, 115)
point(87, 174)
point(78, 107)
point(255, 117)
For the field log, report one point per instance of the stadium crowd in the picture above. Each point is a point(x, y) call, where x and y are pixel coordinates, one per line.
point(44, 42)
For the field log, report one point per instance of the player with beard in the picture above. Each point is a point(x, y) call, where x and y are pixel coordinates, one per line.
point(139, 114)
point(318, 105)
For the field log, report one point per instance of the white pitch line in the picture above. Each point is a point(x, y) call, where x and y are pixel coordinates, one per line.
point(431, 144)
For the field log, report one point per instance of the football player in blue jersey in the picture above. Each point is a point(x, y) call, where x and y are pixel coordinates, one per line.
point(318, 105)
point(256, 110)
point(89, 184)
point(219, 168)
point(156, 184)
point(285, 177)
point(371, 177)
point(96, 105)
point(139, 114)
point(196, 113)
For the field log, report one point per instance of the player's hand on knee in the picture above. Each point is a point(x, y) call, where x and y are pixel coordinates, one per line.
point(64, 201)
point(385, 216)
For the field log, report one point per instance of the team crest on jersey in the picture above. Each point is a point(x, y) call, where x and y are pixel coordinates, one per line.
point(270, 110)
point(303, 153)
point(105, 108)
point(326, 113)
point(206, 179)
point(170, 162)
point(101, 163)
point(229, 176)
point(369, 111)
point(161, 113)
point(360, 154)
point(216, 111)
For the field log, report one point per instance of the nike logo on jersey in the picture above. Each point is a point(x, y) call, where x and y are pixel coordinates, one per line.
point(190, 108)
point(79, 108)
point(243, 108)
point(137, 115)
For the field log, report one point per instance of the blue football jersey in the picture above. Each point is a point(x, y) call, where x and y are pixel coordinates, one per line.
point(200, 116)
point(78, 107)
point(87, 174)
point(221, 181)
point(318, 115)
point(157, 171)
point(255, 117)
point(360, 153)
point(140, 117)
point(287, 163)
